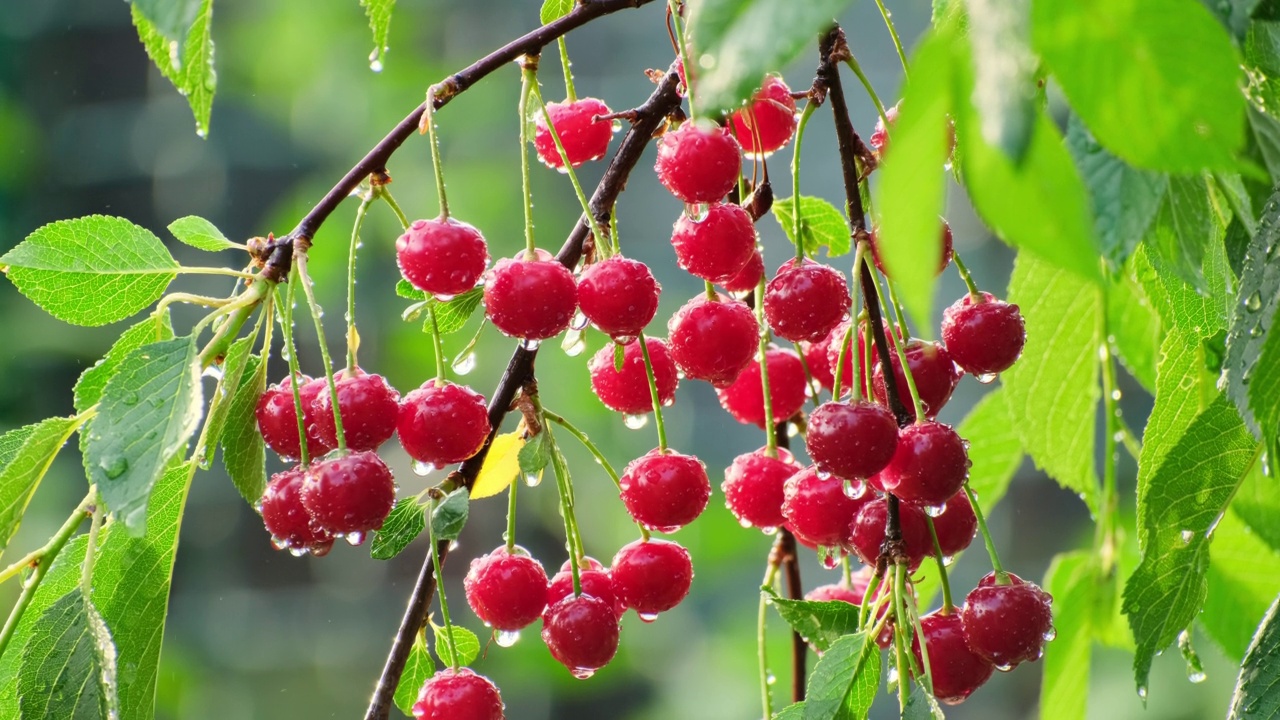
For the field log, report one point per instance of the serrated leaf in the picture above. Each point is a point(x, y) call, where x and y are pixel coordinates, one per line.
point(1257, 502)
point(200, 233)
point(233, 367)
point(820, 623)
point(1243, 578)
point(821, 225)
point(1072, 580)
point(844, 681)
point(1157, 81)
point(25, 456)
point(535, 455)
point(92, 270)
point(1004, 73)
point(88, 388)
point(921, 705)
point(149, 410)
point(451, 316)
point(555, 9)
point(417, 669)
point(501, 465)
point(379, 14)
point(1183, 229)
point(244, 454)
point(1052, 393)
point(465, 642)
point(791, 712)
point(1181, 305)
point(448, 518)
point(1135, 326)
point(406, 290)
point(69, 664)
point(171, 18)
point(405, 523)
point(749, 38)
point(1252, 366)
point(1257, 693)
point(186, 61)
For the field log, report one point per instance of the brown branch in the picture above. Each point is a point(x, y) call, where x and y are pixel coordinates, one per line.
point(786, 552)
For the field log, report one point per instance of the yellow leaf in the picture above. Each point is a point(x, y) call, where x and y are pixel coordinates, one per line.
point(501, 466)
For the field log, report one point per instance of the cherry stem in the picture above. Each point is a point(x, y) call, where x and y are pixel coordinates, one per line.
point(865, 616)
point(1105, 542)
point(565, 488)
point(770, 427)
point(385, 194)
point(893, 33)
point(452, 643)
point(217, 271)
point(91, 547)
point(868, 348)
point(436, 343)
point(682, 49)
point(901, 353)
point(300, 262)
point(569, 91)
point(856, 67)
point(596, 230)
point(511, 515)
point(837, 383)
point(942, 567)
point(762, 637)
point(711, 292)
point(924, 672)
point(1001, 575)
point(974, 293)
point(295, 374)
point(899, 641)
point(353, 337)
point(429, 122)
point(653, 392)
point(809, 107)
point(809, 381)
point(595, 452)
point(846, 572)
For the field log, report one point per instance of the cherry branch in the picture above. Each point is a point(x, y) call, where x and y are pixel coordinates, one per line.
point(785, 551)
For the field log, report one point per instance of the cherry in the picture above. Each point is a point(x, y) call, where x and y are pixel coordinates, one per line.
point(744, 397)
point(956, 526)
point(368, 405)
point(458, 695)
point(935, 375)
point(651, 576)
point(880, 136)
point(944, 237)
point(806, 300)
point(748, 277)
point(771, 118)
point(852, 440)
point(754, 486)
point(443, 257)
point(530, 299)
point(442, 423)
point(350, 494)
point(820, 510)
point(594, 579)
point(956, 670)
point(985, 337)
point(698, 163)
point(815, 357)
point(929, 466)
point(851, 593)
point(713, 340)
point(584, 137)
point(628, 391)
point(506, 590)
point(869, 532)
point(288, 522)
point(278, 418)
point(1007, 624)
point(665, 490)
point(619, 296)
point(582, 633)
point(715, 247)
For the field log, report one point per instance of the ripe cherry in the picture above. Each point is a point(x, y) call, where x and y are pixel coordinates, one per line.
point(664, 491)
point(820, 510)
point(443, 257)
point(880, 136)
point(627, 391)
point(594, 579)
point(935, 375)
point(442, 423)
point(744, 397)
point(278, 418)
point(287, 520)
point(506, 590)
point(815, 357)
point(713, 341)
point(582, 633)
point(530, 299)
point(984, 338)
point(715, 247)
point(806, 300)
point(458, 695)
point(851, 593)
point(956, 670)
point(619, 296)
point(770, 120)
point(754, 486)
point(350, 494)
point(956, 526)
point(869, 532)
point(929, 466)
point(852, 440)
point(698, 163)
point(1007, 624)
point(368, 405)
point(583, 136)
point(651, 576)
point(748, 277)
point(944, 238)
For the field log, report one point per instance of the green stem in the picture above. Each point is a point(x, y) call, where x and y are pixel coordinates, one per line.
point(853, 64)
point(974, 293)
point(809, 381)
point(429, 120)
point(1001, 575)
point(234, 315)
point(91, 549)
point(868, 347)
point(770, 427)
point(1130, 439)
point(300, 262)
point(527, 80)
point(511, 515)
point(859, 257)
point(353, 338)
point(1105, 544)
point(809, 107)
point(865, 618)
point(846, 572)
point(897, 346)
point(942, 568)
point(842, 359)
point(295, 374)
point(595, 452)
point(385, 194)
point(893, 33)
point(596, 230)
point(569, 91)
point(926, 674)
point(217, 271)
point(190, 299)
point(436, 342)
point(899, 641)
point(444, 601)
point(572, 538)
point(682, 49)
point(653, 393)
point(711, 292)
point(762, 653)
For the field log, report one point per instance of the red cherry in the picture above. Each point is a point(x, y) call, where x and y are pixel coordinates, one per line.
point(983, 338)
point(713, 341)
point(628, 391)
point(935, 375)
point(815, 357)
point(583, 136)
point(619, 296)
point(288, 522)
point(664, 491)
point(929, 466)
point(852, 440)
point(458, 695)
point(368, 405)
point(442, 424)
point(278, 418)
point(851, 593)
point(651, 576)
point(698, 164)
point(819, 510)
point(715, 247)
point(754, 486)
point(956, 526)
point(771, 118)
point(869, 532)
point(594, 579)
point(806, 301)
point(744, 398)
point(581, 633)
point(880, 136)
point(748, 277)
point(530, 299)
point(1007, 624)
point(443, 257)
point(957, 671)
point(349, 495)
point(507, 591)
point(944, 237)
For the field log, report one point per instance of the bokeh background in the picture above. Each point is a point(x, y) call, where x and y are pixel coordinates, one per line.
point(88, 126)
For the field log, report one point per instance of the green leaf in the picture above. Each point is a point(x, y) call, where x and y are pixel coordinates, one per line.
point(189, 64)
point(839, 683)
point(1184, 501)
point(171, 18)
point(154, 328)
point(25, 456)
point(1257, 693)
point(244, 454)
point(233, 366)
point(820, 623)
point(379, 14)
point(417, 669)
point(406, 290)
point(555, 9)
point(465, 642)
point(993, 446)
point(448, 518)
point(791, 712)
point(921, 706)
point(1135, 327)
point(149, 410)
point(1257, 502)
point(1004, 73)
point(69, 664)
point(451, 316)
point(92, 270)
point(1243, 578)
point(200, 233)
point(1181, 305)
point(821, 225)
point(535, 454)
point(1157, 81)
point(1052, 394)
point(1252, 367)
point(1072, 580)
point(748, 38)
point(1183, 228)
point(406, 522)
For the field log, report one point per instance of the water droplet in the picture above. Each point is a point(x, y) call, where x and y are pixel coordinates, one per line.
point(296, 551)
point(1256, 331)
point(745, 523)
point(635, 422)
point(130, 399)
point(1196, 676)
point(531, 345)
point(532, 479)
point(582, 673)
point(1254, 302)
point(1050, 634)
point(770, 679)
point(697, 212)
point(573, 343)
point(354, 538)
point(1004, 668)
point(1187, 535)
point(934, 511)
point(464, 364)
point(854, 489)
point(1142, 692)
point(422, 468)
point(506, 638)
point(578, 322)
point(1115, 395)
point(647, 617)
point(986, 378)
point(114, 466)
point(792, 430)
point(769, 530)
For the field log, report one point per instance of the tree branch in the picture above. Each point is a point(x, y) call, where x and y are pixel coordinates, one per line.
point(790, 558)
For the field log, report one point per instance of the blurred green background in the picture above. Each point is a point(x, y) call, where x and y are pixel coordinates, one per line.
point(88, 126)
